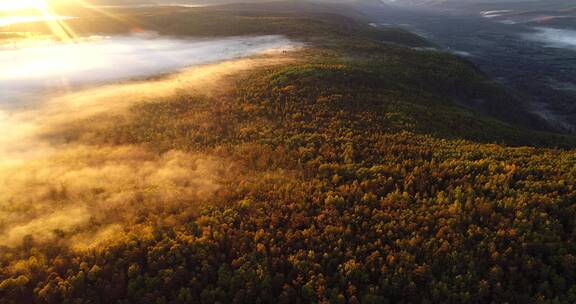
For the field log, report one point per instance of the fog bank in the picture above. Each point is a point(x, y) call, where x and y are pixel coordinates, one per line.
point(31, 71)
point(78, 194)
point(10, 20)
point(559, 38)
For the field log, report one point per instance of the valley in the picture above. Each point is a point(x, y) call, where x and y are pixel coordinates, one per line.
point(535, 60)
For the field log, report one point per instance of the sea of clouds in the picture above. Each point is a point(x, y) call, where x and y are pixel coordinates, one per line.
point(29, 72)
point(561, 38)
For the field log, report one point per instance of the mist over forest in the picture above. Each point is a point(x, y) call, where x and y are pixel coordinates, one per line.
point(346, 151)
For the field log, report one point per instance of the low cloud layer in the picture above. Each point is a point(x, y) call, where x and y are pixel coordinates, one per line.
point(29, 72)
point(559, 38)
point(82, 191)
point(54, 190)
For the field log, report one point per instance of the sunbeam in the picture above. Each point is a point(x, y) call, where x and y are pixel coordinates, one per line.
point(41, 10)
point(11, 5)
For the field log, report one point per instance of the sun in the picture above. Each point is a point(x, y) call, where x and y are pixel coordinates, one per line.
point(38, 10)
point(17, 5)
point(47, 12)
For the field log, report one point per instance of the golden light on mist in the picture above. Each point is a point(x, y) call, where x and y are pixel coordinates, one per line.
point(46, 185)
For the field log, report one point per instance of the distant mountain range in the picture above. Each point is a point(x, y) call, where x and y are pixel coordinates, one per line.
point(478, 4)
point(525, 4)
point(469, 2)
point(550, 13)
point(213, 2)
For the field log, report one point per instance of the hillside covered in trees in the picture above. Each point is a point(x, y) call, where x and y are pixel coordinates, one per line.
point(353, 170)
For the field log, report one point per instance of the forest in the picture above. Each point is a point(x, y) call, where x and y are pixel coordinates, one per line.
point(354, 170)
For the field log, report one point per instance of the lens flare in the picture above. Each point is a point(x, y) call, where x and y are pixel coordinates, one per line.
point(16, 5)
point(33, 11)
point(58, 27)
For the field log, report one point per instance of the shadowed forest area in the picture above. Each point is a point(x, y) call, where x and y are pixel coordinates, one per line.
point(353, 170)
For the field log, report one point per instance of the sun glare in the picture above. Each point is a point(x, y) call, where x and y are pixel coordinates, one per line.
point(16, 5)
point(29, 11)
point(35, 11)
